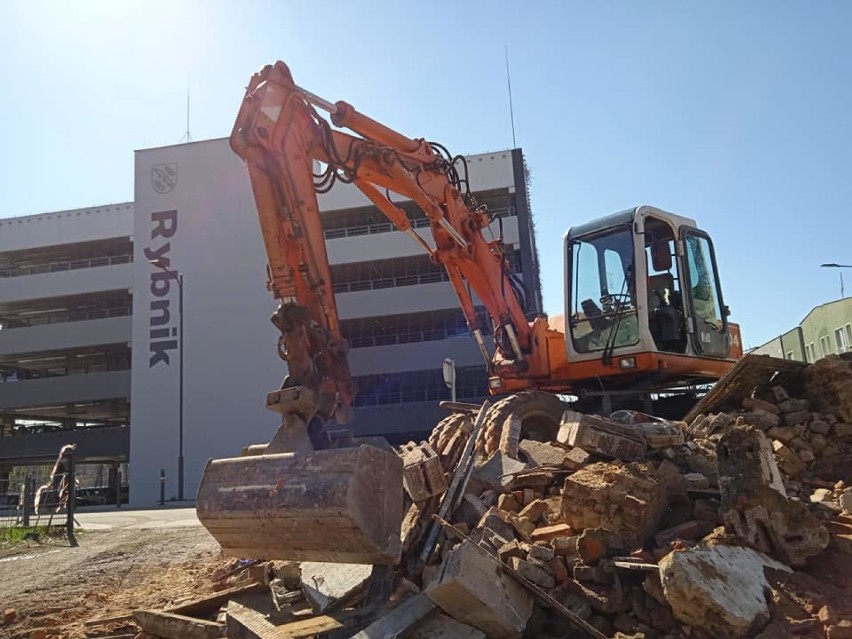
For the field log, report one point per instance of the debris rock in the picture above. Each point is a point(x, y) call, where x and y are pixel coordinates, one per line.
point(437, 625)
point(719, 589)
point(549, 533)
point(696, 481)
point(171, 626)
point(846, 501)
point(576, 458)
point(593, 545)
point(474, 590)
point(497, 520)
point(393, 624)
point(541, 551)
point(534, 510)
point(605, 437)
point(662, 434)
point(755, 510)
point(628, 500)
point(828, 382)
point(689, 530)
point(423, 475)
point(533, 572)
point(507, 503)
point(541, 453)
point(753, 404)
point(326, 583)
point(510, 549)
point(289, 572)
point(788, 461)
point(496, 474)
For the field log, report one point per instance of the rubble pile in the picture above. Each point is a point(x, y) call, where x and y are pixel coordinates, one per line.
point(737, 523)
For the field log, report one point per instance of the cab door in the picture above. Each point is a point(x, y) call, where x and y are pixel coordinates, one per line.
point(703, 294)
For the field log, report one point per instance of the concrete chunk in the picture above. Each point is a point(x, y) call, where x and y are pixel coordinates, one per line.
point(473, 589)
point(602, 436)
point(720, 589)
point(394, 623)
point(495, 474)
point(533, 572)
point(753, 507)
point(171, 626)
point(423, 476)
point(548, 533)
point(437, 625)
point(576, 459)
point(324, 583)
point(662, 434)
point(541, 453)
point(534, 510)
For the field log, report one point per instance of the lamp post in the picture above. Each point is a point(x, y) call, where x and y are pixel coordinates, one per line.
point(178, 277)
point(449, 370)
point(840, 272)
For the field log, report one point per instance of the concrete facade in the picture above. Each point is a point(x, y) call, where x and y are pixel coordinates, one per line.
point(826, 330)
point(194, 211)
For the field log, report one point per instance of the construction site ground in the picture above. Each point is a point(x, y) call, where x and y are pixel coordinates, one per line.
point(125, 560)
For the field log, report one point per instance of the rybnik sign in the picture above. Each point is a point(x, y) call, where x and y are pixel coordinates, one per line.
point(162, 334)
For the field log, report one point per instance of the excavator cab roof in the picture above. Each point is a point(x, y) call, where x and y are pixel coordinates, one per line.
point(623, 218)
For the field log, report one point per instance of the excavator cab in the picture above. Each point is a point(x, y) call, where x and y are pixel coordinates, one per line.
point(643, 294)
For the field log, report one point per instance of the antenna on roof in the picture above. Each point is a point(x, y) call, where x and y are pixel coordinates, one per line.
point(509, 84)
point(187, 136)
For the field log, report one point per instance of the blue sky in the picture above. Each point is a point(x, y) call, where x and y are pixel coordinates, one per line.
point(736, 114)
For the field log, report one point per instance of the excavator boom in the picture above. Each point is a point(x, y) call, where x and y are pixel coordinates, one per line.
point(282, 137)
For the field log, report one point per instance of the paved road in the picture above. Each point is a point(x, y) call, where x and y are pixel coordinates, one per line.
point(126, 518)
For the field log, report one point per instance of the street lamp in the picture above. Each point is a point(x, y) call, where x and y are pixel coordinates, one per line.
point(449, 370)
point(838, 266)
point(178, 277)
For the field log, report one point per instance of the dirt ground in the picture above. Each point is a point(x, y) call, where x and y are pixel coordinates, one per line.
point(111, 573)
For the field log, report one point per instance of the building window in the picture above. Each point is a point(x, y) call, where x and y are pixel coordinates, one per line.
point(810, 353)
point(419, 386)
point(849, 335)
point(841, 340)
point(789, 355)
point(825, 345)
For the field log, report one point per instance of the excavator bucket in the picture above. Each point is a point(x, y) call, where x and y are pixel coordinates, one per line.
point(337, 505)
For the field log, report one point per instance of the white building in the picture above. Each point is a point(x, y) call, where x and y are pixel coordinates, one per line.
point(90, 327)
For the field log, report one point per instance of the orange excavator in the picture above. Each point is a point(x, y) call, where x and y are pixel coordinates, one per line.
point(643, 309)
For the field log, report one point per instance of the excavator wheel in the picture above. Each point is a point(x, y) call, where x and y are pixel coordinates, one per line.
point(525, 415)
point(449, 437)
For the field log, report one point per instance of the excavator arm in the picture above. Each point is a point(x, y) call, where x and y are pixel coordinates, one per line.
point(282, 138)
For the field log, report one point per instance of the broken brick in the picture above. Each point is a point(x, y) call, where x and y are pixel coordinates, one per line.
point(548, 533)
point(627, 499)
point(530, 571)
point(534, 510)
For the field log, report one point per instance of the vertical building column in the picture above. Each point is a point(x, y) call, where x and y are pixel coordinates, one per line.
point(529, 254)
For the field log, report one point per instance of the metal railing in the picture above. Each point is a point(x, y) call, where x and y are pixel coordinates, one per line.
point(391, 282)
point(29, 374)
point(387, 227)
point(61, 317)
point(407, 337)
point(402, 280)
point(65, 265)
point(415, 396)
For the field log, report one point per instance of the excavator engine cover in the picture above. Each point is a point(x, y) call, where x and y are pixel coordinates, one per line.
point(337, 505)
